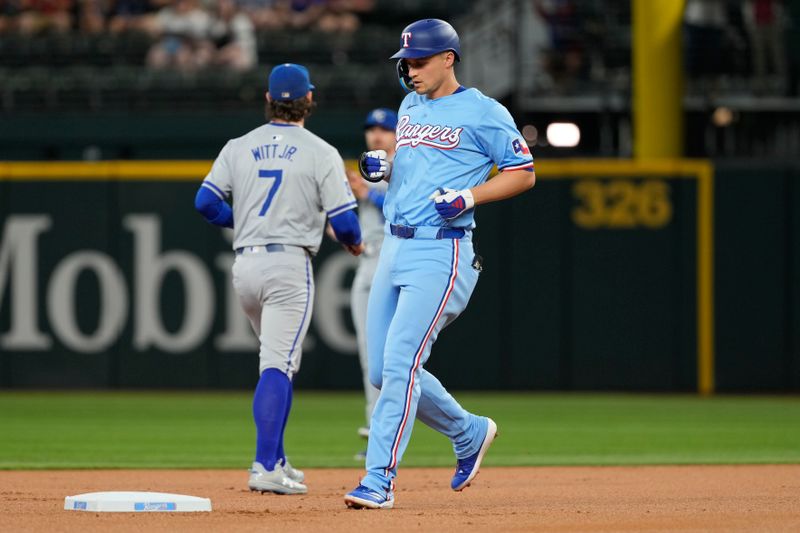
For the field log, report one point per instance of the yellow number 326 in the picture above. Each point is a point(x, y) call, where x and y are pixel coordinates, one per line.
point(621, 204)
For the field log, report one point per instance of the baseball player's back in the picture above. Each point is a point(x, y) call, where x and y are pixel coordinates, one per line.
point(285, 183)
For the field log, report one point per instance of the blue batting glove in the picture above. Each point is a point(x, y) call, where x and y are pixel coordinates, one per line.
point(450, 203)
point(374, 165)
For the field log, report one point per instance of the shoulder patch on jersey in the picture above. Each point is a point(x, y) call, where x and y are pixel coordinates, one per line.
point(520, 147)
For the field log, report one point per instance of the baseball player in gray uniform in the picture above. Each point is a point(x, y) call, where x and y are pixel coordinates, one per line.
point(285, 183)
point(379, 134)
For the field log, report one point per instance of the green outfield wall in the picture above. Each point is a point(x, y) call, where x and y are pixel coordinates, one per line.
point(664, 276)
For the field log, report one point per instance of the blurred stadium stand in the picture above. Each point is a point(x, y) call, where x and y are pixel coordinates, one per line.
point(547, 60)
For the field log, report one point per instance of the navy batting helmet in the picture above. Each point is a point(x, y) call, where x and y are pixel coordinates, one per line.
point(424, 38)
point(427, 37)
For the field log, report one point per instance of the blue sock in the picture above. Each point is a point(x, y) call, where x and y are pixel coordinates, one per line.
point(270, 410)
point(281, 453)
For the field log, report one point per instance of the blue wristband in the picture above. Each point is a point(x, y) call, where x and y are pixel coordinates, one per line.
point(213, 208)
point(345, 226)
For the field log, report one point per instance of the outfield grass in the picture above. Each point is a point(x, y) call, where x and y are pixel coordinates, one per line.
point(214, 430)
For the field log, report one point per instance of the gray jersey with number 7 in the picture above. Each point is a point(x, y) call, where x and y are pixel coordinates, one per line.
point(285, 183)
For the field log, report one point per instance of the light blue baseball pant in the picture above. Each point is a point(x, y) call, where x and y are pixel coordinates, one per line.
point(420, 286)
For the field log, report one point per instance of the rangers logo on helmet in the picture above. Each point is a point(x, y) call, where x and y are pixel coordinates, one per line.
point(430, 37)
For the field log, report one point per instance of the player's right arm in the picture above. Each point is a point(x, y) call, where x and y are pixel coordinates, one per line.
point(501, 141)
point(346, 228)
point(213, 208)
point(509, 151)
point(211, 199)
point(506, 184)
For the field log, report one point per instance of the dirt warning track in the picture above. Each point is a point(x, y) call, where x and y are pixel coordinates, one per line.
point(665, 498)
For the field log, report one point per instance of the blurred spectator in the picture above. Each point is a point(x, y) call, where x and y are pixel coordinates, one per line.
point(36, 16)
point(339, 15)
point(564, 59)
point(135, 15)
point(93, 15)
point(265, 14)
point(234, 37)
point(706, 24)
point(305, 13)
point(9, 9)
point(184, 44)
point(764, 21)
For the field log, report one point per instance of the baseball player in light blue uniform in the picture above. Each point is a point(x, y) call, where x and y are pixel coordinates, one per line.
point(286, 183)
point(448, 139)
point(379, 128)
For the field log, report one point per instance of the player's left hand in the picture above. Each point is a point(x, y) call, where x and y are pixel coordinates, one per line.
point(354, 249)
point(450, 203)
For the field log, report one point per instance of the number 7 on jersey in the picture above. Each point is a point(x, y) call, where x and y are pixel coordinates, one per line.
point(277, 175)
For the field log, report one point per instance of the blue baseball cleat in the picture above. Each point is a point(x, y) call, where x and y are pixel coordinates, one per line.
point(365, 498)
point(467, 469)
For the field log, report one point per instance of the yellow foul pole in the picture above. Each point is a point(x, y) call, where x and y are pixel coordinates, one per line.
point(657, 79)
point(658, 134)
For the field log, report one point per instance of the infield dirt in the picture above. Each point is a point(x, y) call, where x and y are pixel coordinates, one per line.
point(663, 498)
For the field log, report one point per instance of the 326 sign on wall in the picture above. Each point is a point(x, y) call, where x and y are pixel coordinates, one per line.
point(621, 204)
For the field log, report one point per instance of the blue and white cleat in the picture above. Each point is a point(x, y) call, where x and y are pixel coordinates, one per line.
point(365, 498)
point(467, 469)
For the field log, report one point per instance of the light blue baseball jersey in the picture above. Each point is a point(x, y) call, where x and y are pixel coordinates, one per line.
point(451, 142)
